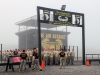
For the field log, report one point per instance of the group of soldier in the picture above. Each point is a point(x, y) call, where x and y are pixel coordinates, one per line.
point(50, 56)
point(7, 53)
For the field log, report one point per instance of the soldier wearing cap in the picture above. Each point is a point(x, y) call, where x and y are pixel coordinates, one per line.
point(62, 59)
point(24, 59)
point(15, 52)
point(33, 57)
point(36, 60)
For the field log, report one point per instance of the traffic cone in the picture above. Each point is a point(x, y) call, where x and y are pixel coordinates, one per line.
point(42, 65)
point(87, 63)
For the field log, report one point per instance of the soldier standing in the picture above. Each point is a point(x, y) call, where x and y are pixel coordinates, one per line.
point(72, 55)
point(7, 54)
point(24, 59)
point(58, 51)
point(68, 57)
point(45, 56)
point(33, 57)
point(51, 57)
point(27, 51)
point(10, 53)
point(15, 52)
point(31, 51)
point(56, 57)
point(36, 60)
point(62, 59)
point(42, 54)
point(48, 56)
point(4, 55)
point(19, 52)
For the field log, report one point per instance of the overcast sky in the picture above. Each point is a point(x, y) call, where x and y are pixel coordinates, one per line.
point(12, 11)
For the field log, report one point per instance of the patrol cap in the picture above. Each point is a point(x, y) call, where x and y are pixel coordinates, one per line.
point(34, 48)
point(23, 50)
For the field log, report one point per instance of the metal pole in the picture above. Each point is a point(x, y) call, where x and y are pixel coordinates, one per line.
point(83, 41)
point(77, 53)
point(98, 56)
point(1, 53)
point(26, 40)
point(73, 47)
point(39, 34)
point(66, 39)
point(69, 48)
point(64, 47)
point(92, 56)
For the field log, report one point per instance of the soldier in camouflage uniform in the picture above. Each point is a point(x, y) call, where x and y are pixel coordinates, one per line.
point(72, 55)
point(51, 57)
point(68, 57)
point(45, 56)
point(56, 57)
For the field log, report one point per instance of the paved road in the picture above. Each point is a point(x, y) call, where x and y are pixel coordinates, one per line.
point(54, 70)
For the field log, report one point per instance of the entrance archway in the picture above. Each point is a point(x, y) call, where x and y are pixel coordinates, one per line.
point(63, 18)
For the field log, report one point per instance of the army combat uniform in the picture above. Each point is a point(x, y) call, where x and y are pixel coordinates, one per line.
point(51, 57)
point(72, 55)
point(30, 56)
point(56, 54)
point(45, 56)
point(68, 57)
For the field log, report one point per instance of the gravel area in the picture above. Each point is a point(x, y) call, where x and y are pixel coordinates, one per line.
point(54, 70)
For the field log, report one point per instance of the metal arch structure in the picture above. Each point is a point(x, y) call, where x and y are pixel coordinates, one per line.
point(63, 18)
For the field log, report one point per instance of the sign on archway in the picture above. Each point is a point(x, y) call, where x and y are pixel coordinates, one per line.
point(63, 18)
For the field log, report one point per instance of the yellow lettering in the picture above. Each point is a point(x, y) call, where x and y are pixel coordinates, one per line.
point(55, 36)
point(48, 35)
point(42, 35)
point(63, 14)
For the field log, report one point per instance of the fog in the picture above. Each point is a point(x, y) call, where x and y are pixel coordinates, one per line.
point(12, 11)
